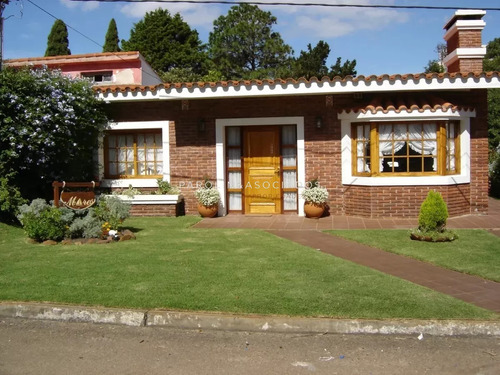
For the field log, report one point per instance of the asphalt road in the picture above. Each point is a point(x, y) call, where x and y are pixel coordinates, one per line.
point(47, 347)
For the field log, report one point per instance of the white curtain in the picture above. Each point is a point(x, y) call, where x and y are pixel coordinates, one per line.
point(235, 201)
point(234, 180)
point(234, 156)
point(423, 140)
point(420, 138)
point(290, 179)
point(290, 201)
point(289, 157)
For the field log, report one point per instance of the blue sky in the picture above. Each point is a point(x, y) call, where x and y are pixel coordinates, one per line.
point(381, 40)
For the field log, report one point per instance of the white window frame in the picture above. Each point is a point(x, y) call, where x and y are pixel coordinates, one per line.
point(220, 142)
point(347, 119)
point(137, 182)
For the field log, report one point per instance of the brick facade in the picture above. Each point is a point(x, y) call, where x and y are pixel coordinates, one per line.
point(192, 152)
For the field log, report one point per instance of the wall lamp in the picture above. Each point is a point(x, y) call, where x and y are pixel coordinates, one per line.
point(202, 126)
point(319, 122)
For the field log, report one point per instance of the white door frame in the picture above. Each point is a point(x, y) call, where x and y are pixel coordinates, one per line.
point(220, 141)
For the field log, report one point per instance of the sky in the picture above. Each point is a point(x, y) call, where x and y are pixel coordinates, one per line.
point(383, 41)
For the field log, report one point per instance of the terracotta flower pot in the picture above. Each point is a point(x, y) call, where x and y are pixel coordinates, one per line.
point(208, 211)
point(313, 210)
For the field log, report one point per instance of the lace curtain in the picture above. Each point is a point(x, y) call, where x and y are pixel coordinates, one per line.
point(420, 138)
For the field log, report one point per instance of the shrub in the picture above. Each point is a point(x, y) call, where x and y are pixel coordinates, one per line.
point(495, 177)
point(164, 187)
point(433, 213)
point(10, 199)
point(87, 226)
point(42, 221)
point(112, 210)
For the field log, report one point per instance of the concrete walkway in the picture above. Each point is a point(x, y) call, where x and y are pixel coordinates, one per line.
point(305, 231)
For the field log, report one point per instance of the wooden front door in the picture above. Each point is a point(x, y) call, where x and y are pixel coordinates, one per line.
point(262, 177)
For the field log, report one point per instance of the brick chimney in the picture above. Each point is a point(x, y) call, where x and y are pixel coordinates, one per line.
point(463, 41)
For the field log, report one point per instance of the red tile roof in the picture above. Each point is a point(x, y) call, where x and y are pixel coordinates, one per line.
point(403, 78)
point(406, 102)
point(66, 59)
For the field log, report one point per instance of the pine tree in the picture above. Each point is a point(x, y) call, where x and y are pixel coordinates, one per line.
point(111, 41)
point(57, 42)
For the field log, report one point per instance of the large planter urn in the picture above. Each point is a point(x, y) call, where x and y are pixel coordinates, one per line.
point(208, 211)
point(314, 210)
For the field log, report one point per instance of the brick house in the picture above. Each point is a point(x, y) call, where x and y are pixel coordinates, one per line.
point(378, 143)
point(117, 68)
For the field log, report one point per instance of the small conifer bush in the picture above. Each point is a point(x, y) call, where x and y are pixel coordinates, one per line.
point(433, 213)
point(432, 220)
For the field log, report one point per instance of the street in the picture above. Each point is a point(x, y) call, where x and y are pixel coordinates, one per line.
point(48, 347)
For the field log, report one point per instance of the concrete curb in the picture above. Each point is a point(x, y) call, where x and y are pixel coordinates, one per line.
point(228, 322)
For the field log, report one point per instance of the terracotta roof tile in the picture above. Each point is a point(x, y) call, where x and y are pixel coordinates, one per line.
point(290, 81)
point(408, 102)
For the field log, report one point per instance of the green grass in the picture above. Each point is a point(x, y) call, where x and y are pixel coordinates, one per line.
point(476, 252)
point(173, 266)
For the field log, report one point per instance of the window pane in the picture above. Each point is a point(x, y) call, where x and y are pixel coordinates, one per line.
point(146, 147)
point(289, 135)
point(290, 201)
point(234, 180)
point(235, 201)
point(290, 179)
point(234, 155)
point(289, 157)
point(233, 136)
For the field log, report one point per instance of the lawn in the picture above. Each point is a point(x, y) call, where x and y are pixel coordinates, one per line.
point(173, 266)
point(476, 252)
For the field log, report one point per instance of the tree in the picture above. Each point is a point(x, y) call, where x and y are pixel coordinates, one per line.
point(437, 66)
point(49, 127)
point(492, 63)
point(111, 40)
point(243, 44)
point(434, 66)
point(492, 58)
point(348, 68)
point(312, 63)
point(167, 42)
point(57, 42)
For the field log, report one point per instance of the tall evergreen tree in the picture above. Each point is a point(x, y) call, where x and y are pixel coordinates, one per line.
point(111, 41)
point(57, 42)
point(312, 63)
point(244, 45)
point(167, 42)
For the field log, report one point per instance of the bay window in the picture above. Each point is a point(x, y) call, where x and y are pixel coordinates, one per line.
point(405, 148)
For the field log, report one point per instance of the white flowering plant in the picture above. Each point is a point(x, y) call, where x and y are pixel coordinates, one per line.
point(314, 193)
point(207, 195)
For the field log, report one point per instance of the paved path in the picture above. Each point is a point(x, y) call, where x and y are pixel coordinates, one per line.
point(294, 222)
point(468, 288)
point(307, 232)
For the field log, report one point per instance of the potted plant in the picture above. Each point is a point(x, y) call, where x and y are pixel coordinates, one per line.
point(315, 198)
point(208, 199)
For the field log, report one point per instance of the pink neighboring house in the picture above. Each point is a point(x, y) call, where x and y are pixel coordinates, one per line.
point(116, 68)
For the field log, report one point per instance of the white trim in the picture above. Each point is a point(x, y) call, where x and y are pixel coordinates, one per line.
point(384, 83)
point(392, 115)
point(349, 179)
point(151, 199)
point(465, 53)
point(463, 25)
point(220, 125)
point(138, 125)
